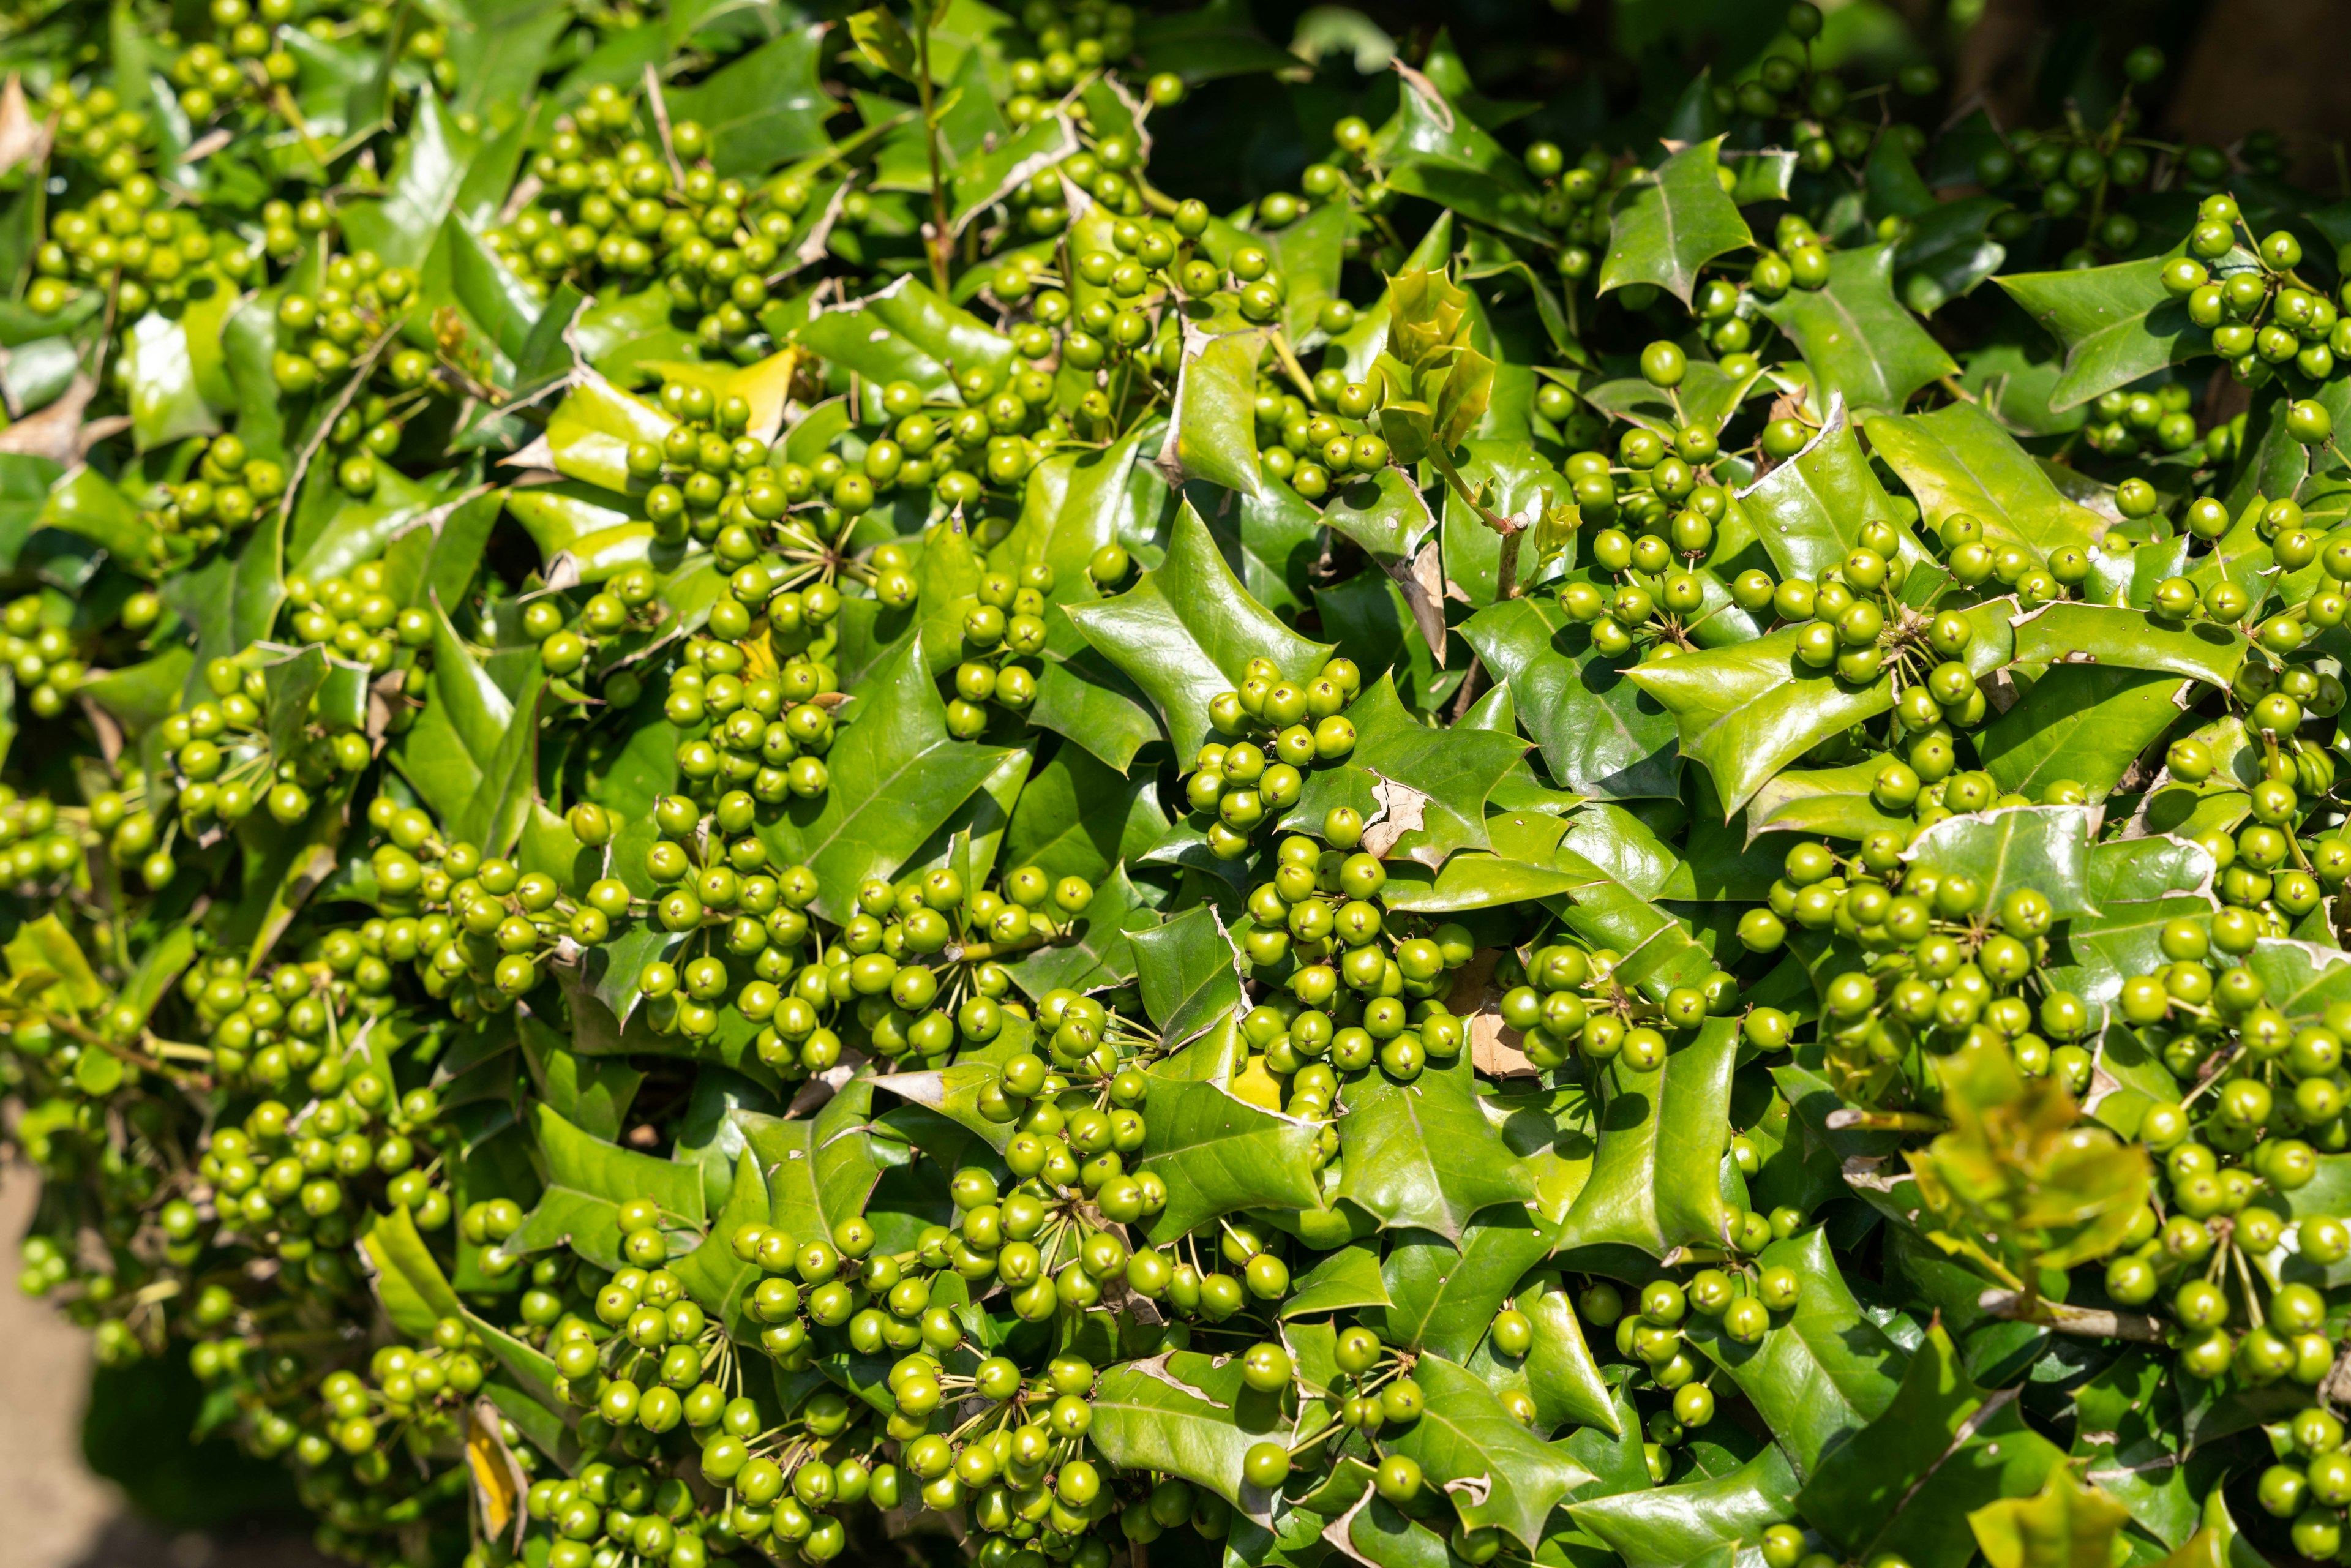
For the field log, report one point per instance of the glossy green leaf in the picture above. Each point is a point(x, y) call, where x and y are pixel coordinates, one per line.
point(1810, 510)
point(1822, 1371)
point(2044, 848)
point(1958, 459)
point(1656, 1181)
point(2088, 723)
point(1748, 710)
point(1498, 1473)
point(906, 332)
point(1187, 632)
point(1667, 224)
point(1443, 1296)
point(1454, 769)
point(821, 1169)
point(1718, 1521)
point(2132, 639)
point(1188, 972)
point(1833, 802)
point(1599, 731)
point(1347, 1277)
point(1212, 434)
point(1187, 1414)
point(2116, 323)
point(1425, 1153)
point(896, 775)
point(1433, 149)
point(762, 109)
point(1943, 1448)
point(1218, 1154)
point(1862, 343)
point(409, 1282)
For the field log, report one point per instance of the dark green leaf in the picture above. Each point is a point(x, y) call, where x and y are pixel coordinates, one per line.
point(2087, 723)
point(1821, 1373)
point(1956, 459)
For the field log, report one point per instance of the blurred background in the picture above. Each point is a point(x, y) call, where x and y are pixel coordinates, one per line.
point(97, 1469)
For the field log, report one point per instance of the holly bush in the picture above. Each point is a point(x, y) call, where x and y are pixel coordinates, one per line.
point(759, 804)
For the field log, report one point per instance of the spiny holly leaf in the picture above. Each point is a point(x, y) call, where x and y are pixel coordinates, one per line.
point(896, 775)
point(1455, 769)
point(1956, 459)
point(1943, 1448)
point(1443, 1293)
point(1187, 632)
point(1862, 344)
point(1188, 971)
point(2116, 323)
point(1697, 1520)
point(1498, 1472)
point(1218, 1154)
point(1657, 1177)
point(1748, 710)
point(2087, 722)
point(2044, 848)
point(1671, 222)
point(1823, 1373)
point(1809, 511)
point(1599, 731)
point(1189, 1414)
point(1425, 1153)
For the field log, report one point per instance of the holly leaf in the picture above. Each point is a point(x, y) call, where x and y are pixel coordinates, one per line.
point(1219, 1154)
point(1189, 973)
point(1832, 803)
point(1599, 732)
point(1213, 432)
point(1863, 344)
point(1497, 1473)
point(1432, 149)
point(1186, 1414)
point(1810, 510)
point(2116, 323)
point(473, 752)
point(2045, 848)
point(1748, 710)
point(2110, 634)
point(762, 109)
point(896, 775)
point(1720, 1521)
point(1425, 1153)
point(1347, 1277)
point(1942, 1448)
point(1958, 459)
point(1443, 1294)
point(1657, 1181)
point(1667, 223)
point(1187, 632)
point(819, 1169)
point(1454, 769)
point(1820, 1373)
point(2087, 723)
point(906, 332)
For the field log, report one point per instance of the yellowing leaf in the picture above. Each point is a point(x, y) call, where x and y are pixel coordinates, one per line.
point(2066, 1525)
